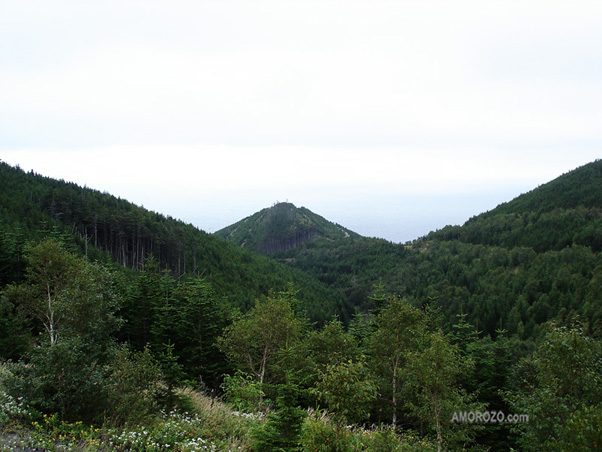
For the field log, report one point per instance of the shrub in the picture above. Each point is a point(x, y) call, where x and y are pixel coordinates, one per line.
point(243, 392)
point(133, 386)
point(319, 434)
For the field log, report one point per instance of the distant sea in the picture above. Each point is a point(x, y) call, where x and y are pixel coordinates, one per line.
point(396, 218)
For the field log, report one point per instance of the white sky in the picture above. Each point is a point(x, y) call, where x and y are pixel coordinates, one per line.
point(392, 118)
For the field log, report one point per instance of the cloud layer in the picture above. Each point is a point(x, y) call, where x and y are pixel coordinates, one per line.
point(275, 96)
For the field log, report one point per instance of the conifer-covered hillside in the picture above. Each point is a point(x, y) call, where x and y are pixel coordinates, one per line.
point(114, 230)
point(99, 352)
point(564, 212)
point(532, 260)
point(281, 227)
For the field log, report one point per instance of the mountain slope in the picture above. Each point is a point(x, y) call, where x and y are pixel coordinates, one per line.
point(111, 229)
point(281, 227)
point(563, 212)
point(538, 258)
point(579, 187)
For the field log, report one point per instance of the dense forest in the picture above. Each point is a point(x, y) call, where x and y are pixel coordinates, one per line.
point(282, 227)
point(533, 260)
point(123, 329)
point(113, 231)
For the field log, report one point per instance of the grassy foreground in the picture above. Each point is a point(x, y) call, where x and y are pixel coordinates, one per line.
point(207, 425)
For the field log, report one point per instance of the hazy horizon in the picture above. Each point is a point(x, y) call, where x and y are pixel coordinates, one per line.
point(392, 118)
point(397, 217)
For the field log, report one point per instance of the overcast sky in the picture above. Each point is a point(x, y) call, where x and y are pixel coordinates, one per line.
point(392, 118)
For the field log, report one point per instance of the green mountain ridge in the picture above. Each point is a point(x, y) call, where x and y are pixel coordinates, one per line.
point(566, 211)
point(281, 227)
point(534, 259)
point(107, 310)
point(119, 233)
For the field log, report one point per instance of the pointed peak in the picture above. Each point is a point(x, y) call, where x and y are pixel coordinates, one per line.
point(281, 227)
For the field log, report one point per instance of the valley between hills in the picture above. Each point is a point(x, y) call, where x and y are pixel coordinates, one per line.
point(314, 338)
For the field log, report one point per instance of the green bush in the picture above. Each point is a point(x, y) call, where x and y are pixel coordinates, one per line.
point(320, 435)
point(243, 392)
point(132, 386)
point(61, 379)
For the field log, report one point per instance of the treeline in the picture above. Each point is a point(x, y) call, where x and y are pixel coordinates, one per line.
point(95, 347)
point(529, 261)
point(580, 187)
point(111, 230)
point(539, 230)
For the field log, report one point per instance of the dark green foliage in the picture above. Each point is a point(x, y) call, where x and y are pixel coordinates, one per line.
point(559, 388)
point(112, 230)
point(283, 427)
point(199, 318)
point(353, 265)
point(62, 379)
point(561, 213)
point(493, 361)
point(281, 227)
point(516, 289)
point(133, 386)
point(15, 330)
point(580, 187)
point(348, 390)
point(180, 319)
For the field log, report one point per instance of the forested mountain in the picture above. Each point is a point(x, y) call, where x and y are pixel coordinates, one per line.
point(281, 227)
point(534, 259)
point(118, 328)
point(111, 229)
point(564, 212)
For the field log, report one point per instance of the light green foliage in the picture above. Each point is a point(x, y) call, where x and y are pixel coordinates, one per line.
point(348, 389)
point(433, 392)
point(559, 388)
point(321, 434)
point(133, 386)
point(399, 330)
point(66, 295)
point(332, 345)
point(583, 430)
point(253, 341)
point(243, 392)
point(208, 426)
